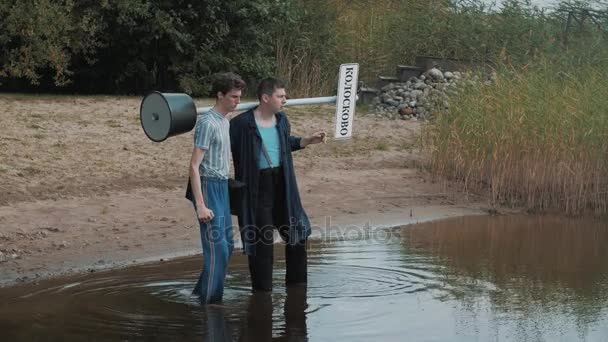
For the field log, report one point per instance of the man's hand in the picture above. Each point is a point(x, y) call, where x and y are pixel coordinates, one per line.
point(205, 215)
point(315, 138)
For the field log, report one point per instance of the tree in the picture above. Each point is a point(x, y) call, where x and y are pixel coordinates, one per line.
point(42, 36)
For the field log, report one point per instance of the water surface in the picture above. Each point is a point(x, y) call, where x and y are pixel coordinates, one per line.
point(499, 278)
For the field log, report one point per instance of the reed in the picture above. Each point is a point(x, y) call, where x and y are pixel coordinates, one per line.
point(303, 72)
point(536, 137)
point(304, 49)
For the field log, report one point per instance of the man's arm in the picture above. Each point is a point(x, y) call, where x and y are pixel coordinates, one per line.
point(315, 138)
point(298, 143)
point(203, 134)
point(294, 141)
point(203, 212)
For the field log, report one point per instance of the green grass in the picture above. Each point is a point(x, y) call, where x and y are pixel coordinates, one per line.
point(113, 124)
point(84, 122)
point(35, 126)
point(381, 146)
point(59, 145)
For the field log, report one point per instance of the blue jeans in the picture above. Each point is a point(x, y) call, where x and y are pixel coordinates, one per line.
point(216, 239)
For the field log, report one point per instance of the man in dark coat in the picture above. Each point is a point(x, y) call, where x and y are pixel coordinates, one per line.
point(262, 147)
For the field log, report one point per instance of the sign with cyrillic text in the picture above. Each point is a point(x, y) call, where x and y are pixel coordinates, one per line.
point(347, 100)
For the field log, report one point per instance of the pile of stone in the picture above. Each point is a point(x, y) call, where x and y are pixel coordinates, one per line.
point(419, 97)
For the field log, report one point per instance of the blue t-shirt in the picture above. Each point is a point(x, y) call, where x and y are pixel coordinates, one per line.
point(270, 138)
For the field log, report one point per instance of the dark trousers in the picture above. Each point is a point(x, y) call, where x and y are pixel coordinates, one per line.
point(271, 214)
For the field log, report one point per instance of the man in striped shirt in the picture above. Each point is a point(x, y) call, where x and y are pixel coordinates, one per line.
point(209, 168)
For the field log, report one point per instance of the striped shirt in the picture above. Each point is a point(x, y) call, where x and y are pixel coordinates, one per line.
point(212, 134)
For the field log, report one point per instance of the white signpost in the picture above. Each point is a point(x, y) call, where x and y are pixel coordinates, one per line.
point(347, 100)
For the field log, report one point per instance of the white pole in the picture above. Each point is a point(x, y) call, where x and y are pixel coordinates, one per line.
point(290, 103)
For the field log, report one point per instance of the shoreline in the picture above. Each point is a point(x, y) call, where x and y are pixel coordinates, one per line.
point(66, 261)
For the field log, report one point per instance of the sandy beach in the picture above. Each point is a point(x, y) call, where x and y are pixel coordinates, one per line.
point(83, 189)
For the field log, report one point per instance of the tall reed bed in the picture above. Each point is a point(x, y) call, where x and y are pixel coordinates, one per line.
point(304, 49)
point(380, 34)
point(536, 137)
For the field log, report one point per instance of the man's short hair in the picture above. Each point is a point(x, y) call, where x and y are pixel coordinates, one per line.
point(268, 86)
point(225, 82)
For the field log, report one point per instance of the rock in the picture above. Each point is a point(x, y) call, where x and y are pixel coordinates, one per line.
point(420, 85)
point(392, 103)
point(407, 110)
point(435, 74)
point(422, 96)
point(416, 94)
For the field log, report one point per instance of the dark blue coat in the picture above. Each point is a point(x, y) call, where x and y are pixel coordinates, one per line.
point(246, 142)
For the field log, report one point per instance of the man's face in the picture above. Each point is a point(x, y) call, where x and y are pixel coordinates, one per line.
point(230, 100)
point(277, 100)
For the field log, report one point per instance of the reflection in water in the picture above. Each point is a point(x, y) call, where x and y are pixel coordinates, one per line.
point(532, 249)
point(542, 271)
point(261, 324)
point(470, 279)
point(258, 321)
point(216, 324)
point(142, 304)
